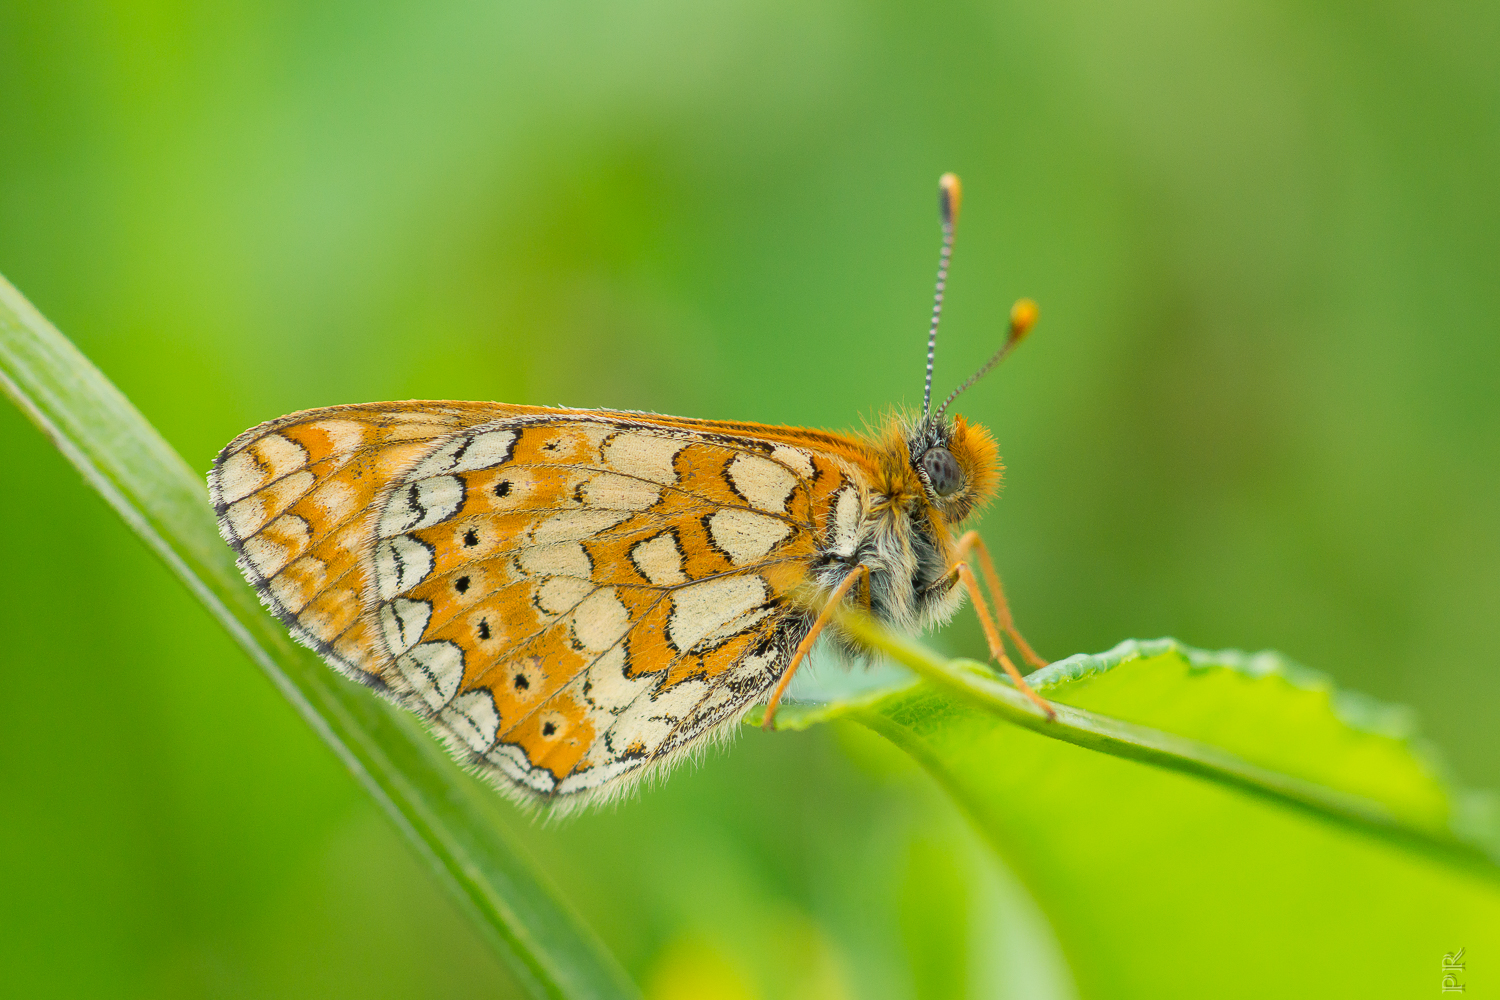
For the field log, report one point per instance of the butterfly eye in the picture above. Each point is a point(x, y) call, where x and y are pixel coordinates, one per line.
point(943, 473)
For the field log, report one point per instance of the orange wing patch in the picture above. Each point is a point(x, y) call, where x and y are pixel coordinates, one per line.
point(292, 494)
point(571, 598)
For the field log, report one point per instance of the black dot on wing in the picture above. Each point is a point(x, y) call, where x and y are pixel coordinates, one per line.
point(522, 683)
point(548, 729)
point(484, 629)
point(471, 537)
point(461, 584)
point(502, 488)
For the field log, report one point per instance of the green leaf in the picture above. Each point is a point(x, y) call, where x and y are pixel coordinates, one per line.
point(1344, 805)
point(449, 819)
point(1257, 723)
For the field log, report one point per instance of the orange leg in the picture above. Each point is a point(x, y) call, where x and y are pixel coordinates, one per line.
point(824, 617)
point(992, 636)
point(972, 541)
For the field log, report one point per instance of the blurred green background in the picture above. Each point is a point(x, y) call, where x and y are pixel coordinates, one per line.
point(1260, 410)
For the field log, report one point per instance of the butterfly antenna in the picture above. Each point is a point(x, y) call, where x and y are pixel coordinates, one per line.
point(1022, 318)
point(950, 196)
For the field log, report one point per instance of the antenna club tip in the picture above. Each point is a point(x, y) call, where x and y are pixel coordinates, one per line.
point(1023, 317)
point(950, 196)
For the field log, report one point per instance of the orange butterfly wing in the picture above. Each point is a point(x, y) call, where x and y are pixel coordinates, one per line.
point(571, 597)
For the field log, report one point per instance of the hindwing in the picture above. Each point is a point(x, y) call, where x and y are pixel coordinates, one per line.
point(572, 598)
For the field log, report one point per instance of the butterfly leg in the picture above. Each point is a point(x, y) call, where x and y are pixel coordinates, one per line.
point(991, 631)
point(972, 542)
point(824, 617)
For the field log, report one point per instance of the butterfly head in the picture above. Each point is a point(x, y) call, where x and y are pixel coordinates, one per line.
point(955, 465)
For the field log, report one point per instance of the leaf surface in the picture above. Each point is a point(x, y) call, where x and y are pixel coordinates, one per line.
point(1167, 879)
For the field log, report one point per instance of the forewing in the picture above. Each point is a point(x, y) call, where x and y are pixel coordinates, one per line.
point(570, 598)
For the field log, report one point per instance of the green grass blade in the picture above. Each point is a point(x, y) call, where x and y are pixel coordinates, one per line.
point(445, 815)
point(1338, 758)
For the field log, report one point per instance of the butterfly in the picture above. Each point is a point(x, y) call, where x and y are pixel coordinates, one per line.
point(576, 599)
